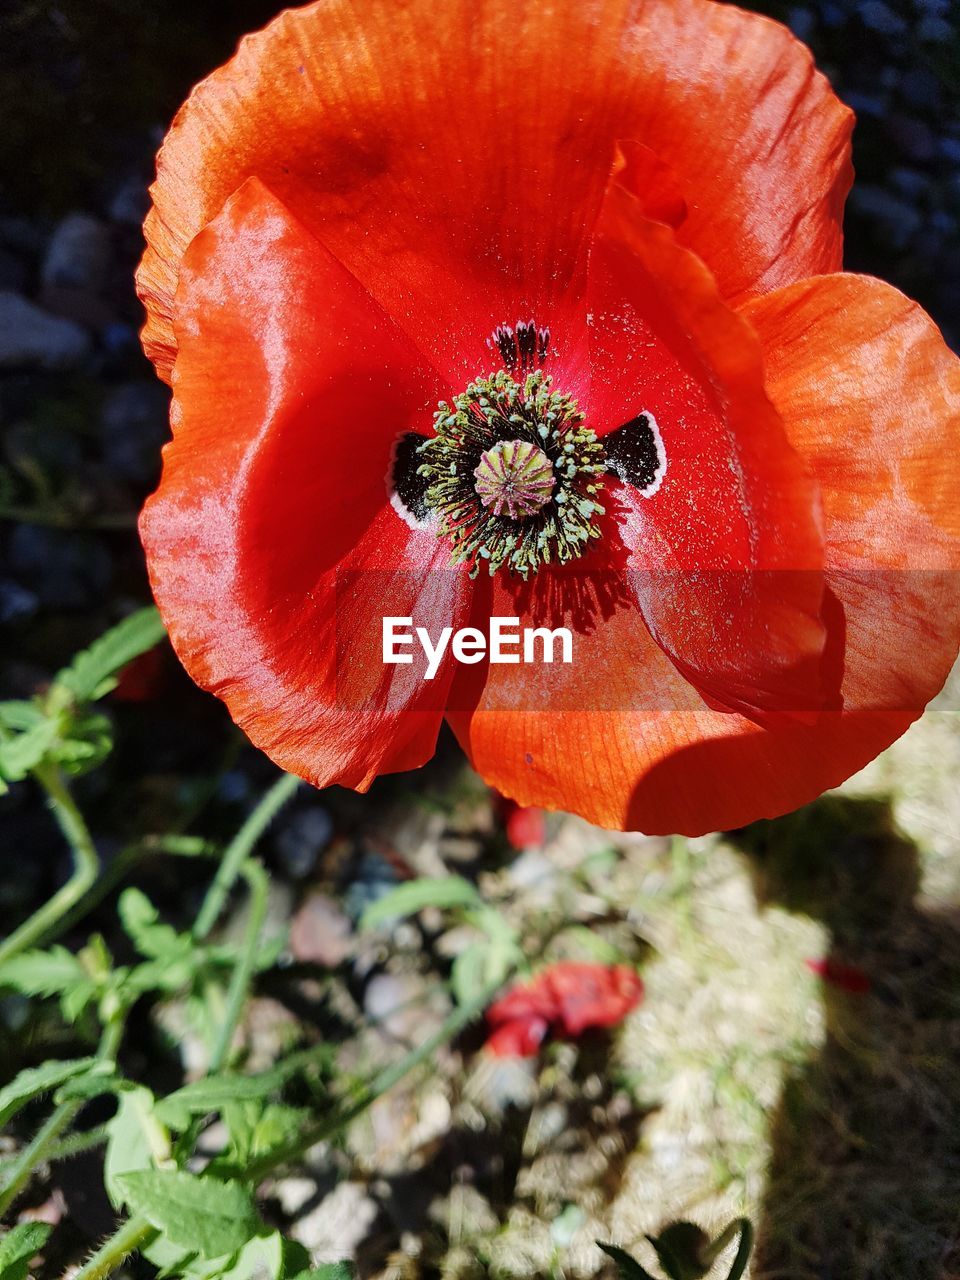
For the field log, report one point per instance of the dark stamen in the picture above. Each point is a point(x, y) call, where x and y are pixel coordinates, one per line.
point(522, 347)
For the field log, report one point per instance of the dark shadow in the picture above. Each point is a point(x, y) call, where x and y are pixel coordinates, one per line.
point(576, 1114)
point(864, 1180)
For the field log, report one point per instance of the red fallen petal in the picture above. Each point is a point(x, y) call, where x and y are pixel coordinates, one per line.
point(518, 1039)
point(725, 551)
point(592, 995)
point(571, 998)
point(533, 999)
point(459, 198)
point(273, 551)
point(525, 828)
point(847, 977)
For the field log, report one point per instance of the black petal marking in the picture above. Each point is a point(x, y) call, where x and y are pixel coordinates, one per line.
point(635, 454)
point(408, 489)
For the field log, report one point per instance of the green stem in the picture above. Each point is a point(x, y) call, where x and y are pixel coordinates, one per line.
point(369, 1093)
point(38, 1148)
point(243, 970)
point(85, 865)
point(134, 1234)
point(239, 849)
point(78, 1143)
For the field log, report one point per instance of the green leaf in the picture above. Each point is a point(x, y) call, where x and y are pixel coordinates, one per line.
point(92, 673)
point(214, 1218)
point(92, 1086)
point(141, 920)
point(24, 751)
point(20, 1245)
point(469, 973)
point(412, 896)
point(34, 1081)
point(130, 1143)
point(329, 1271)
point(43, 973)
point(627, 1267)
point(20, 715)
point(212, 1094)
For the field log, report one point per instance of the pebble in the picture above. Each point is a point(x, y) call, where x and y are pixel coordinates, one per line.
point(66, 569)
point(134, 424)
point(32, 338)
point(130, 203)
point(336, 1227)
point(301, 838)
point(881, 18)
point(321, 933)
point(78, 255)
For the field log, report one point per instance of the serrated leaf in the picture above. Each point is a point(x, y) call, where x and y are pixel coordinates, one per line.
point(215, 1218)
point(24, 751)
point(92, 673)
point(412, 896)
point(141, 920)
point(628, 1268)
point(18, 1247)
point(43, 973)
point(34, 1081)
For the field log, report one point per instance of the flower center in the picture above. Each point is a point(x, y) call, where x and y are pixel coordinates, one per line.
point(514, 478)
point(512, 474)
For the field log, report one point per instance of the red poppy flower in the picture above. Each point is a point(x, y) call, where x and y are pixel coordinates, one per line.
point(567, 999)
point(569, 278)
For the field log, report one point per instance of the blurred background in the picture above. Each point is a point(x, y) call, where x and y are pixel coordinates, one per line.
point(797, 1056)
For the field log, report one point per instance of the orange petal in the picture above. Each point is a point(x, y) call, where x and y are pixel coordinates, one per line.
point(724, 552)
point(454, 156)
point(272, 548)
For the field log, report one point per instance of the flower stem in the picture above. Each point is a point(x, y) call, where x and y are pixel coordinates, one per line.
point(239, 849)
point(256, 877)
point(137, 1232)
point(134, 1234)
point(85, 865)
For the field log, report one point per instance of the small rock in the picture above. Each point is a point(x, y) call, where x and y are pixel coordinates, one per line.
point(30, 337)
point(13, 272)
point(338, 1225)
point(130, 203)
point(881, 18)
point(301, 838)
point(134, 427)
point(16, 602)
point(67, 570)
point(934, 30)
point(401, 1007)
point(321, 933)
point(78, 255)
